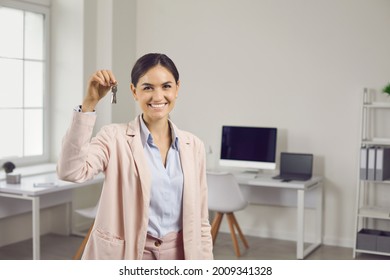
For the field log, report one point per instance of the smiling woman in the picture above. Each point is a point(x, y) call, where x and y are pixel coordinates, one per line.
point(154, 198)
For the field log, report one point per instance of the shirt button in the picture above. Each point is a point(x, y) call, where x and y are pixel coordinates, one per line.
point(157, 243)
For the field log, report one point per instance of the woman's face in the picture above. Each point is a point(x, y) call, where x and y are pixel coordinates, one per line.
point(156, 93)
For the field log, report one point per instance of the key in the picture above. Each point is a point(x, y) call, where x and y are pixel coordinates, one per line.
point(114, 89)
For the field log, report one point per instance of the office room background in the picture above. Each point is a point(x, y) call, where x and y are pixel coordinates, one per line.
point(299, 65)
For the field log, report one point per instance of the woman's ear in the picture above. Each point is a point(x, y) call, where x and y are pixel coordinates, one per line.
point(133, 90)
point(177, 88)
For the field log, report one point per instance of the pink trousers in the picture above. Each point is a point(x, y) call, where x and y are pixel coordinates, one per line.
point(168, 247)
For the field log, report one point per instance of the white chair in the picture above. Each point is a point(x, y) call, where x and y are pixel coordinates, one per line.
point(225, 197)
point(89, 213)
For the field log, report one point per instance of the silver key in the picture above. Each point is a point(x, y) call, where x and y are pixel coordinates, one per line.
point(114, 89)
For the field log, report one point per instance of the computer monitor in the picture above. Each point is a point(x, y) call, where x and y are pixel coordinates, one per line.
point(248, 147)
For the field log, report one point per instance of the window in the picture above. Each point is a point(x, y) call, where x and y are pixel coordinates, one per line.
point(23, 78)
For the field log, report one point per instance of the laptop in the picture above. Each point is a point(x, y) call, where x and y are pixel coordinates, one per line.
point(295, 166)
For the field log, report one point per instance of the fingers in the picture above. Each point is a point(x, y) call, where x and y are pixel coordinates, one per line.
point(104, 77)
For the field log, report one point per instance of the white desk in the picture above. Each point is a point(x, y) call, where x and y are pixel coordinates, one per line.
point(301, 188)
point(26, 191)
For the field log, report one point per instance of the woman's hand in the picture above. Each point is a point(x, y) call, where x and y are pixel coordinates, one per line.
point(98, 86)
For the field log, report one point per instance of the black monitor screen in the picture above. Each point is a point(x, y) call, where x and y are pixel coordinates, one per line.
point(248, 143)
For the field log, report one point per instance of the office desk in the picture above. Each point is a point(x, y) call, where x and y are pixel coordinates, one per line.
point(315, 184)
point(26, 191)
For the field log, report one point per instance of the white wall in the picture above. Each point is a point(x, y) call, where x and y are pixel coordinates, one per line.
point(124, 57)
point(297, 65)
point(66, 65)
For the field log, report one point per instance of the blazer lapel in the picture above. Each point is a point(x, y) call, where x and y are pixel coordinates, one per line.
point(187, 160)
point(187, 165)
point(134, 140)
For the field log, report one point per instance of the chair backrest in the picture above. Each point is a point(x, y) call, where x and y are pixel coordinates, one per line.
point(88, 212)
point(224, 193)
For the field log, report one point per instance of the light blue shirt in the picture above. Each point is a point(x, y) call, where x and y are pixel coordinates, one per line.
point(165, 211)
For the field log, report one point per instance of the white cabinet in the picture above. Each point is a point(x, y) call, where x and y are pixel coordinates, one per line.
point(372, 231)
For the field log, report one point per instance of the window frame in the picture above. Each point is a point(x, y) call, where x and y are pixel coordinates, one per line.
point(45, 157)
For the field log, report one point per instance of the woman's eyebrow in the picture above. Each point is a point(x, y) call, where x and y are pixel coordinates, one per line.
point(150, 85)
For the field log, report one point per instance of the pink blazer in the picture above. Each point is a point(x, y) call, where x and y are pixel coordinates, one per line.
point(120, 227)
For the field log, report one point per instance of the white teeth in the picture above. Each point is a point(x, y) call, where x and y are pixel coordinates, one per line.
point(157, 105)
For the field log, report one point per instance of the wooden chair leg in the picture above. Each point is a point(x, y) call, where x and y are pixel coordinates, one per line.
point(233, 233)
point(80, 250)
point(215, 225)
point(240, 232)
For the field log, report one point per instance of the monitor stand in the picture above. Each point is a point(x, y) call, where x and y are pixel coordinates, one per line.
point(256, 173)
point(252, 173)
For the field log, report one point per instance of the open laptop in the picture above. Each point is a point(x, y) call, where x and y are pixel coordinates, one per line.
point(294, 166)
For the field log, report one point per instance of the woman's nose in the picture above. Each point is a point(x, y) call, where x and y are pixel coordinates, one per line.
point(158, 94)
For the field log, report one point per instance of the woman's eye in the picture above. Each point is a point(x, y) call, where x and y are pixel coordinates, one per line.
point(147, 88)
point(167, 86)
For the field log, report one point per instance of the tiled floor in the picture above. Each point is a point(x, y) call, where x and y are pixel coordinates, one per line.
point(57, 247)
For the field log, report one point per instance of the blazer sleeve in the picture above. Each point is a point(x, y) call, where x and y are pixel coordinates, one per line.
point(81, 157)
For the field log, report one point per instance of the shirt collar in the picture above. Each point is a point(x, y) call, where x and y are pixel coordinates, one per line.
point(146, 136)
